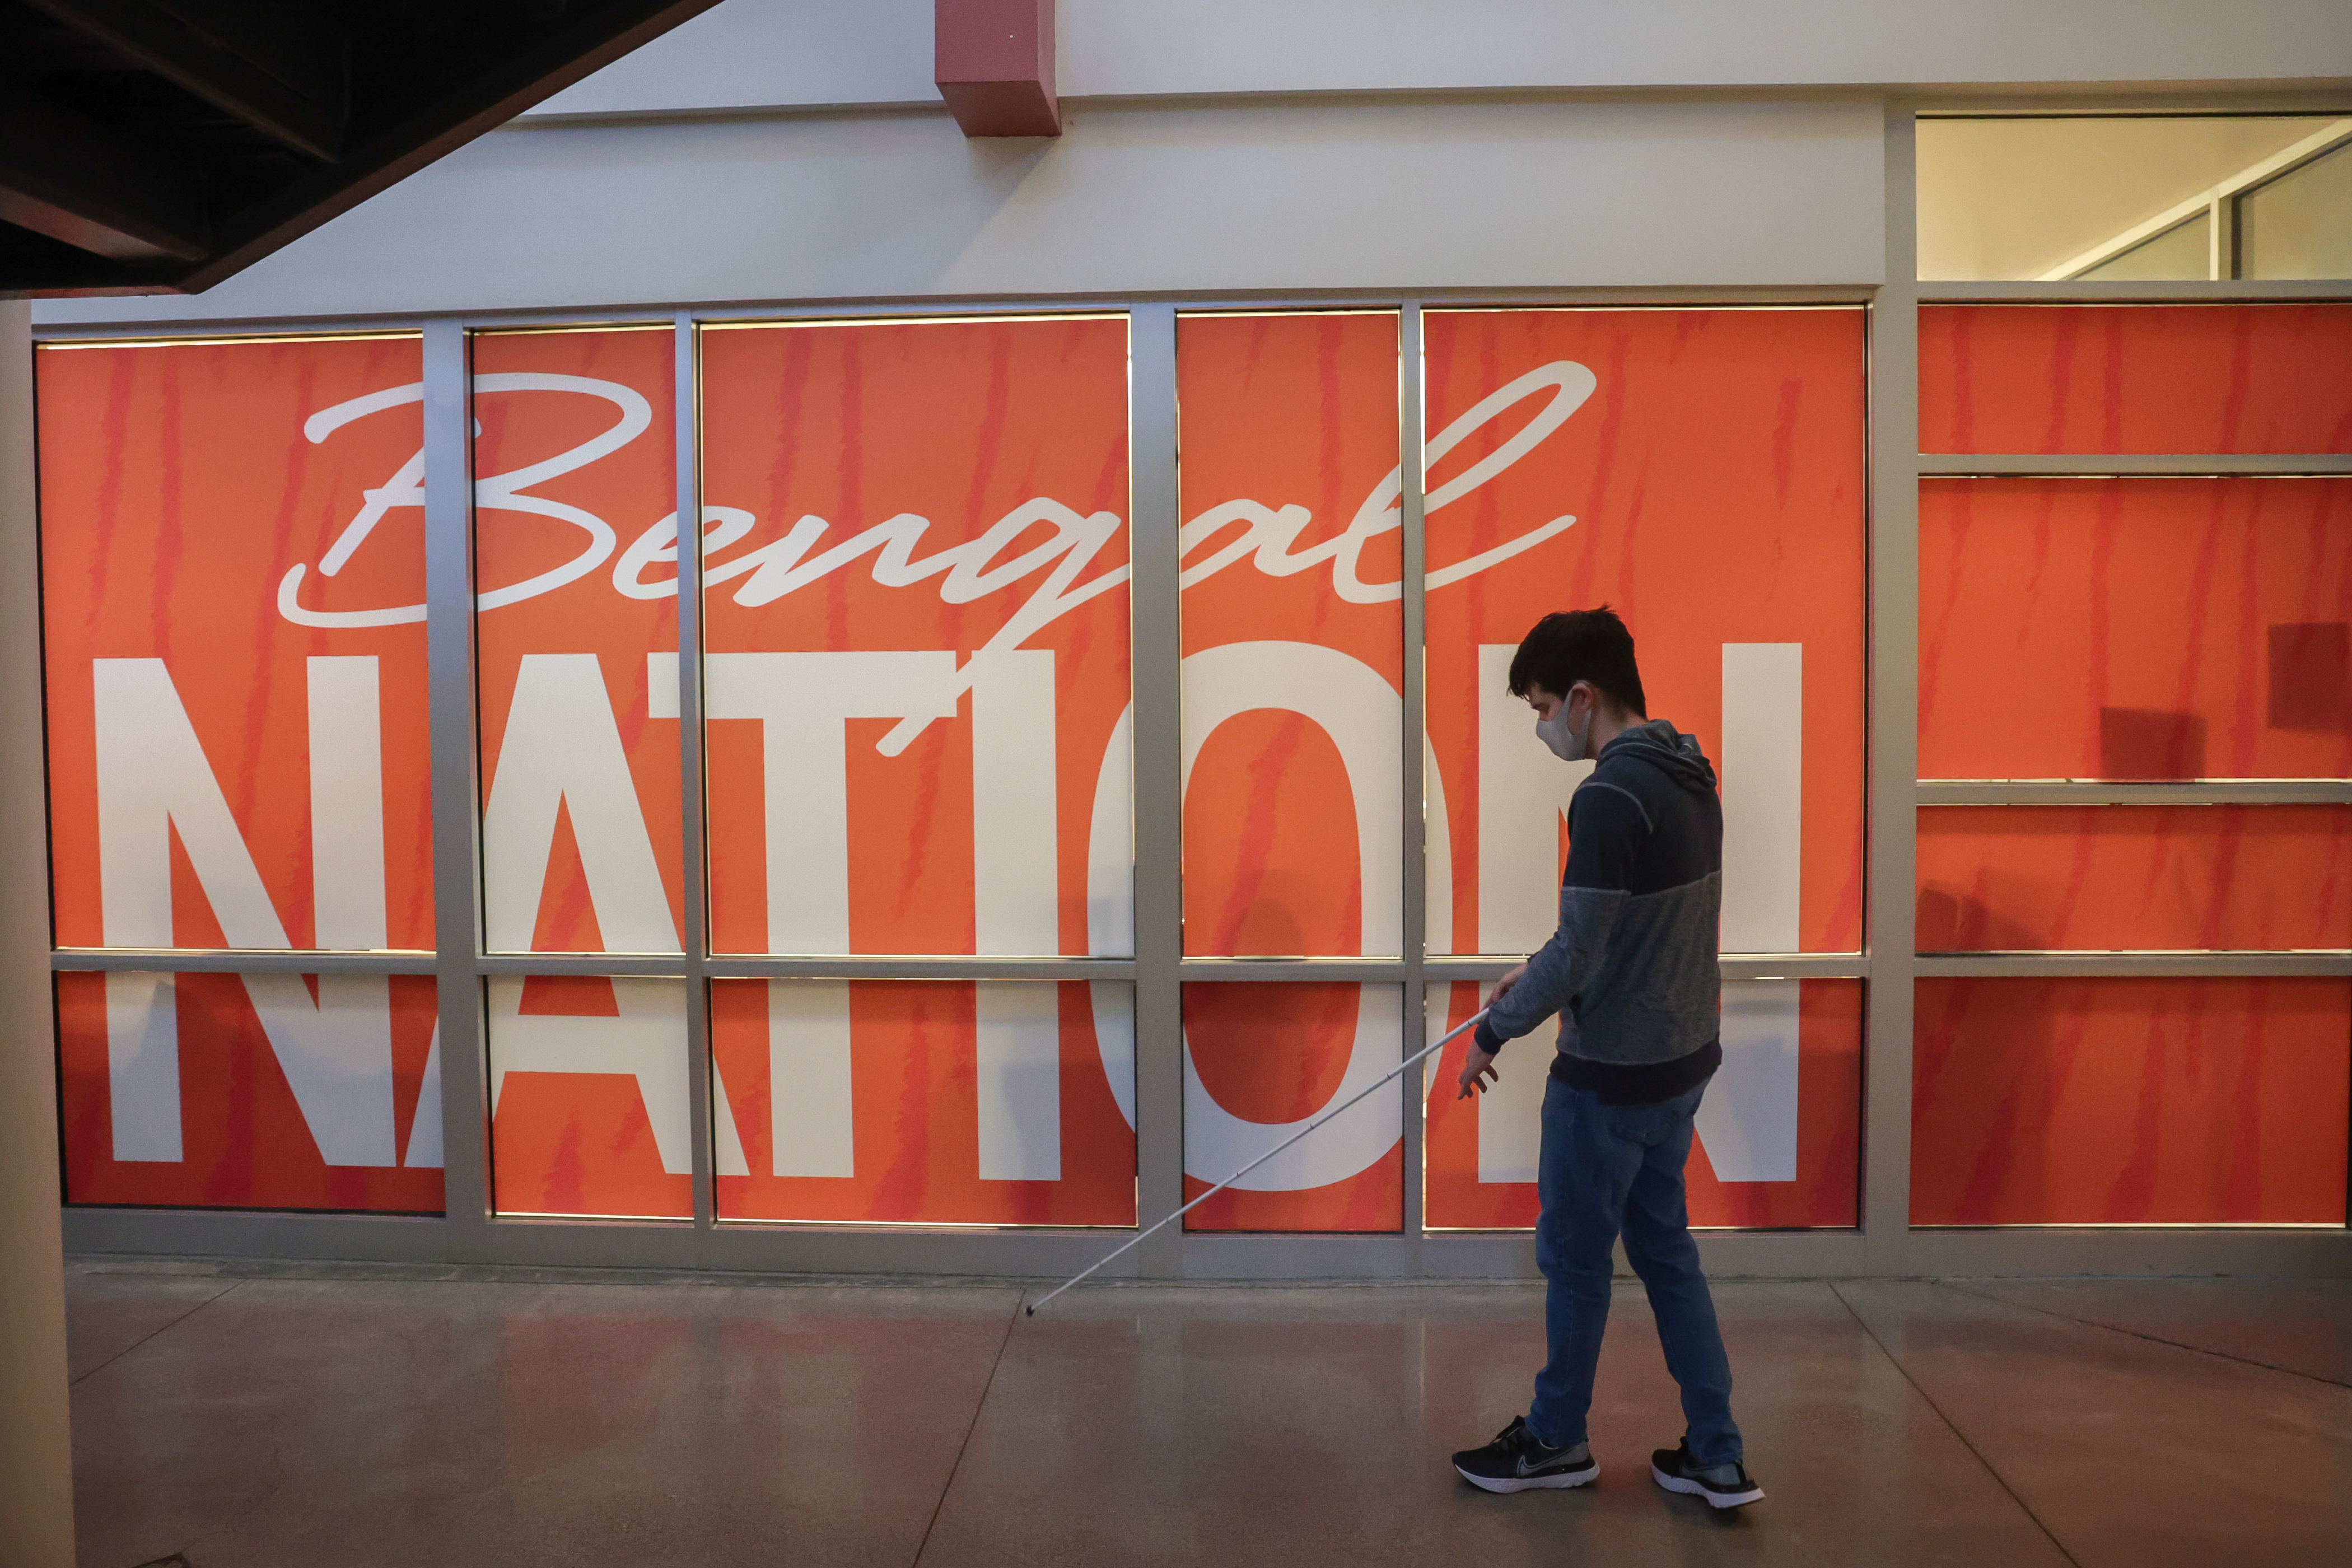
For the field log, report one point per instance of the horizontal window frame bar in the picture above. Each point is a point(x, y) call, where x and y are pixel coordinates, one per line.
point(1212, 969)
point(2141, 292)
point(612, 965)
point(743, 967)
point(2218, 964)
point(754, 966)
point(624, 967)
point(2132, 464)
point(1660, 296)
point(390, 1245)
point(1455, 968)
point(272, 961)
point(2086, 791)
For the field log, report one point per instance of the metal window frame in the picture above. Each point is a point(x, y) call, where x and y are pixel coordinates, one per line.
point(1883, 1242)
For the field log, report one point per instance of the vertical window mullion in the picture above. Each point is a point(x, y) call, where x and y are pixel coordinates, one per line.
point(1157, 666)
point(1414, 828)
point(456, 795)
point(687, 404)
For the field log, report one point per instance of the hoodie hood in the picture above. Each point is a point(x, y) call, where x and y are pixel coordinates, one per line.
point(1673, 753)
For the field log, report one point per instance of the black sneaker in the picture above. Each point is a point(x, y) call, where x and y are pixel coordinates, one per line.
point(1723, 1486)
point(1516, 1460)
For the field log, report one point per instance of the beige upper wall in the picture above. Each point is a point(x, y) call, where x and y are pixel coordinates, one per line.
point(775, 53)
point(1266, 199)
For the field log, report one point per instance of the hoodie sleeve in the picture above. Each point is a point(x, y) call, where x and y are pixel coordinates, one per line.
point(1606, 827)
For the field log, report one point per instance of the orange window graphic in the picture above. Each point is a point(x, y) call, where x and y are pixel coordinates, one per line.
point(943, 1102)
point(575, 531)
point(2135, 378)
point(277, 1092)
point(1481, 1163)
point(575, 522)
point(233, 581)
point(2130, 1101)
point(1293, 701)
point(1702, 472)
point(1279, 1053)
point(2017, 879)
point(589, 1077)
point(2171, 629)
point(917, 686)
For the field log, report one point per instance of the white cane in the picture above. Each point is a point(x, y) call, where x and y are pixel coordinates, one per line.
point(1137, 1239)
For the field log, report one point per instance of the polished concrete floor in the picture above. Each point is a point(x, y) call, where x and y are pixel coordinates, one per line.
point(243, 1415)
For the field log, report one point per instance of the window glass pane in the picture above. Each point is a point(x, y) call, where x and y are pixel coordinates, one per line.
point(233, 586)
point(591, 1109)
point(576, 466)
point(2182, 251)
point(918, 623)
point(2130, 1101)
point(2018, 878)
point(1778, 1141)
point(940, 1102)
point(1262, 1059)
point(272, 1091)
point(2021, 198)
point(2299, 224)
point(1293, 634)
point(2172, 628)
point(2135, 378)
point(1702, 472)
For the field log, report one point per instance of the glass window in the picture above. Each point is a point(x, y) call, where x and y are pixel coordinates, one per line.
point(2135, 378)
point(2162, 628)
point(917, 668)
point(2182, 251)
point(1779, 1132)
point(233, 581)
point(2150, 879)
point(1702, 472)
point(2130, 1101)
point(592, 1111)
point(1293, 634)
point(575, 520)
point(2299, 224)
point(939, 1103)
point(2067, 195)
point(1263, 1058)
point(274, 1091)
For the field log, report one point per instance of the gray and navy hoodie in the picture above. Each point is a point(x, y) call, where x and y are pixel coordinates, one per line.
point(1632, 970)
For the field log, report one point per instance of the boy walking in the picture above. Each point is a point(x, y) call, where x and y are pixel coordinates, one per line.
point(1631, 973)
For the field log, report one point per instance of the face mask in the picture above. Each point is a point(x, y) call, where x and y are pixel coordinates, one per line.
point(1554, 734)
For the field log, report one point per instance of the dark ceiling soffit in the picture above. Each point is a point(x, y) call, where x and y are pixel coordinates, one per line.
point(484, 105)
point(277, 65)
point(384, 161)
point(94, 187)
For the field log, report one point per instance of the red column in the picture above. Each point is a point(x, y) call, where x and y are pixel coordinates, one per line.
point(995, 66)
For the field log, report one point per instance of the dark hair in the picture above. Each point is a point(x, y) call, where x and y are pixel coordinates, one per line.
point(1591, 645)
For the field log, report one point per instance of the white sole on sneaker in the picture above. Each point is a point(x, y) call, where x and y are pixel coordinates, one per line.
point(1715, 1498)
point(1556, 1481)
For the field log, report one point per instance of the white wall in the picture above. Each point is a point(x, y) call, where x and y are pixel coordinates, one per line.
point(768, 53)
point(1257, 46)
point(1275, 197)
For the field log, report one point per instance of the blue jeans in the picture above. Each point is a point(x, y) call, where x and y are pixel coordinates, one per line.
point(1606, 1169)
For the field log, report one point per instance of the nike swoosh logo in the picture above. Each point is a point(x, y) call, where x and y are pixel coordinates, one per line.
point(1528, 1470)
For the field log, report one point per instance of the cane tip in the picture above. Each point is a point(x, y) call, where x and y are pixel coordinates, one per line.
point(1029, 1311)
